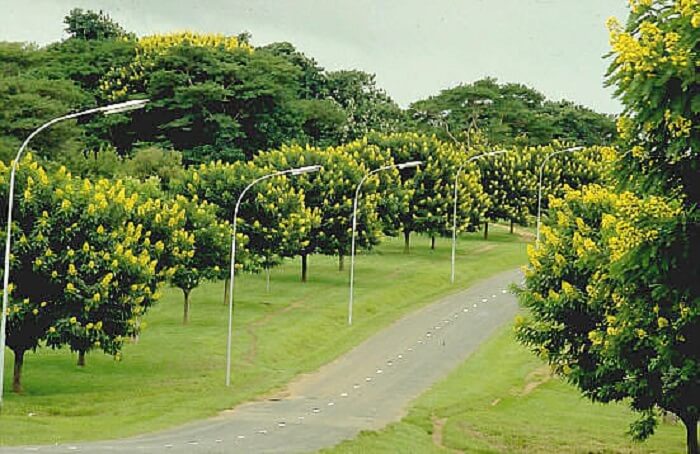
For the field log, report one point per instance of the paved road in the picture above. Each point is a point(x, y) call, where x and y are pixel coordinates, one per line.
point(365, 389)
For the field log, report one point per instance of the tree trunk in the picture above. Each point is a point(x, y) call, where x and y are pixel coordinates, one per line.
point(432, 243)
point(406, 241)
point(486, 230)
point(17, 375)
point(81, 358)
point(304, 267)
point(691, 428)
point(511, 226)
point(186, 312)
point(341, 262)
point(267, 278)
point(227, 283)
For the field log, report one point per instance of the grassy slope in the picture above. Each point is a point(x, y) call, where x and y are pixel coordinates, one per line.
point(502, 400)
point(175, 374)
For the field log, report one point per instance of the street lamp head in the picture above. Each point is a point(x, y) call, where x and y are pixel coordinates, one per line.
point(124, 106)
point(306, 169)
point(409, 164)
point(574, 149)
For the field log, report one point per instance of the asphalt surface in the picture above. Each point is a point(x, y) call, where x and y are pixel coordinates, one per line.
point(365, 389)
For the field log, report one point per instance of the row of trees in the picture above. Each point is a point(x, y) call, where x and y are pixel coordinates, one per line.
point(90, 253)
point(217, 97)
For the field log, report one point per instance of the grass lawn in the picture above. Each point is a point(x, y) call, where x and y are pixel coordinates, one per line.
point(175, 373)
point(503, 400)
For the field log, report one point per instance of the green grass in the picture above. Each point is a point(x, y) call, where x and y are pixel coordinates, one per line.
point(175, 373)
point(503, 400)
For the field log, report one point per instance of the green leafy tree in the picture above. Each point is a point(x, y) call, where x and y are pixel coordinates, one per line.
point(366, 106)
point(509, 114)
point(311, 78)
point(91, 25)
point(211, 97)
point(29, 103)
point(18, 58)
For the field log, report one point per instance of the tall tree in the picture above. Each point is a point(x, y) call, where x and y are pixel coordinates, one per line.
point(509, 114)
point(91, 25)
point(367, 107)
point(613, 289)
point(211, 97)
point(29, 103)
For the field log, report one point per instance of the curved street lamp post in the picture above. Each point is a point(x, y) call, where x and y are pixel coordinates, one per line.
point(232, 276)
point(454, 208)
point(539, 187)
point(405, 165)
point(105, 110)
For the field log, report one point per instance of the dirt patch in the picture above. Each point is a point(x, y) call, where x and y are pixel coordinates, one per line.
point(522, 233)
point(438, 427)
point(471, 432)
point(250, 329)
point(534, 379)
point(481, 249)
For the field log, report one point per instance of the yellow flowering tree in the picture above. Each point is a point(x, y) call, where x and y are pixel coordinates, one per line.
point(429, 188)
point(329, 194)
point(613, 337)
point(199, 248)
point(655, 62)
point(82, 270)
point(654, 69)
point(612, 291)
point(273, 219)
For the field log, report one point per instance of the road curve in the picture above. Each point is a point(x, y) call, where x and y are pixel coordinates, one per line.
point(365, 389)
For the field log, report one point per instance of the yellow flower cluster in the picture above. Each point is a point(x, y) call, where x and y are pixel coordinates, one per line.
point(677, 125)
point(638, 5)
point(119, 81)
point(643, 52)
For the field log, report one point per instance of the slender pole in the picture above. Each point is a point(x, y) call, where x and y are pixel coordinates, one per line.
point(115, 108)
point(454, 206)
point(539, 188)
point(354, 225)
point(232, 275)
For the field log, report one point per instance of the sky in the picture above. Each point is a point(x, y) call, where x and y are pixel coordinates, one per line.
point(415, 47)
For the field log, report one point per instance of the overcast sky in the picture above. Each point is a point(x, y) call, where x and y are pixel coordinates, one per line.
point(415, 47)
